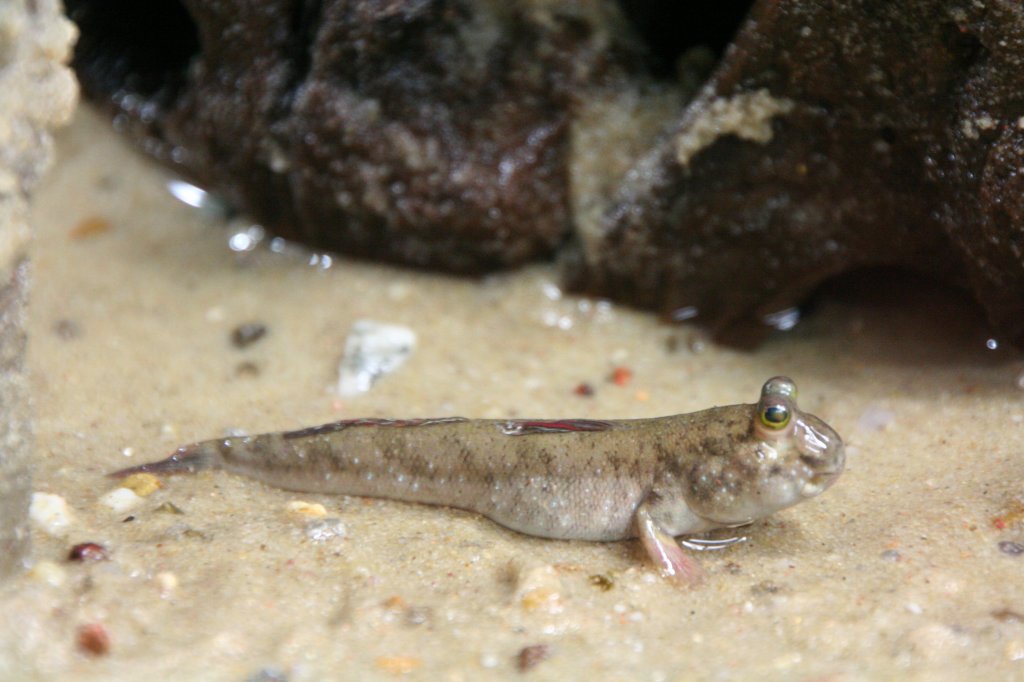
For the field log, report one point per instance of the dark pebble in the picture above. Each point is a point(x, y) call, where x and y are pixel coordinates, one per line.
point(529, 656)
point(601, 582)
point(1011, 548)
point(247, 369)
point(1008, 616)
point(247, 334)
point(584, 389)
point(94, 639)
point(67, 329)
point(88, 551)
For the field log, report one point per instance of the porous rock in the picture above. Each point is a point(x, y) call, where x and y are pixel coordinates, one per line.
point(681, 162)
point(424, 131)
point(37, 93)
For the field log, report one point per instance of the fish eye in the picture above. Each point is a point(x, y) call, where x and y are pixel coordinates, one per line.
point(775, 416)
point(782, 386)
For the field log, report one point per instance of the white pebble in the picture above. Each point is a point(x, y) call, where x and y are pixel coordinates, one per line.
point(50, 513)
point(372, 350)
point(121, 500)
point(322, 530)
point(168, 583)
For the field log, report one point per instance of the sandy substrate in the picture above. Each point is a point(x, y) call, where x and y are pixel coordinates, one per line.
point(898, 571)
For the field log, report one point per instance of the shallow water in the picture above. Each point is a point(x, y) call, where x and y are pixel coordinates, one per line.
point(902, 569)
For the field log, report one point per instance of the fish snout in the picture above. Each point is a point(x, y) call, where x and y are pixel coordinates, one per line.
point(822, 452)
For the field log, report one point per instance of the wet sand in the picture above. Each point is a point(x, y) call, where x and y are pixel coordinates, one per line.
point(905, 569)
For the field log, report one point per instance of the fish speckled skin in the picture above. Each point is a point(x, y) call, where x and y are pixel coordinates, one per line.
point(568, 479)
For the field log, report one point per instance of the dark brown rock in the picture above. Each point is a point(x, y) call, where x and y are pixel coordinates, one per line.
point(429, 132)
point(832, 136)
point(468, 135)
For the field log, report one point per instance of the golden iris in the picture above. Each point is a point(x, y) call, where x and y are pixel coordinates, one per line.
point(775, 416)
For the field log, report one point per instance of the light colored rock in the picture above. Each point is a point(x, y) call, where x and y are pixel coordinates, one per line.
point(50, 513)
point(37, 93)
point(121, 500)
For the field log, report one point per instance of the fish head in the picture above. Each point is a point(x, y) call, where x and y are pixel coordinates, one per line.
point(775, 456)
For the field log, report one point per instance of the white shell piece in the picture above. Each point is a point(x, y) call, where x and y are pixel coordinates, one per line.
point(372, 350)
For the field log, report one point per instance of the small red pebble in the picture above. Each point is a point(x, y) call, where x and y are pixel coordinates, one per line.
point(999, 523)
point(88, 551)
point(621, 376)
point(93, 639)
point(584, 389)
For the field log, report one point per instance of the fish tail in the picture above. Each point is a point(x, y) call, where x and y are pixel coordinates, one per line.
point(185, 460)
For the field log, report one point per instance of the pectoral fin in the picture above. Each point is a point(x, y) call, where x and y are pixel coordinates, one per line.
point(673, 562)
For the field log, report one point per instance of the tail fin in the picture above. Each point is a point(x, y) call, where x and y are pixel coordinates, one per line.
point(186, 460)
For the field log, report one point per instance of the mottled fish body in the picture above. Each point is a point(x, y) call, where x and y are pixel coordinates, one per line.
point(566, 479)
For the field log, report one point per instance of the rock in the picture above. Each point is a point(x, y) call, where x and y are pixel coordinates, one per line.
point(716, 167)
point(429, 132)
point(37, 93)
point(831, 137)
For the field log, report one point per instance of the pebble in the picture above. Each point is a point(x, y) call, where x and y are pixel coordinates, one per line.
point(49, 573)
point(50, 513)
point(88, 551)
point(89, 226)
point(1011, 548)
point(247, 369)
point(247, 334)
point(94, 639)
point(621, 376)
point(1006, 615)
point(372, 350)
point(529, 656)
point(891, 555)
point(306, 508)
point(325, 529)
point(168, 583)
point(584, 390)
point(120, 500)
point(398, 665)
point(417, 615)
point(540, 589)
point(67, 329)
point(142, 484)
